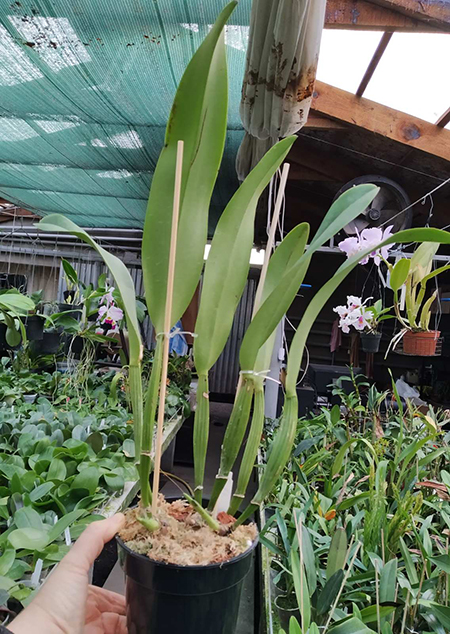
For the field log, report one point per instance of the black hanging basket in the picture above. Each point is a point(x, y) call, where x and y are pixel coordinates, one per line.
point(34, 326)
point(370, 342)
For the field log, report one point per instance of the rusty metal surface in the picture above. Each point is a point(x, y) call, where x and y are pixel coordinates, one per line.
point(362, 15)
point(433, 12)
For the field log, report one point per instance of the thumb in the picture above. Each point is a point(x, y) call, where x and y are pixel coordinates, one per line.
point(90, 544)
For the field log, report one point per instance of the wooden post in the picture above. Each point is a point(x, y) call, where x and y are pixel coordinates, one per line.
point(167, 323)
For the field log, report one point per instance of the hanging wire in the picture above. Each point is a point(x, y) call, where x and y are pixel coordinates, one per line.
point(371, 156)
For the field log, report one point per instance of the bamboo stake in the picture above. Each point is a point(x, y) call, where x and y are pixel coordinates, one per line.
point(167, 324)
point(271, 237)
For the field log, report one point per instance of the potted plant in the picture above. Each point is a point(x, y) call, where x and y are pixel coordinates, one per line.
point(72, 294)
point(185, 563)
point(365, 319)
point(13, 309)
point(414, 273)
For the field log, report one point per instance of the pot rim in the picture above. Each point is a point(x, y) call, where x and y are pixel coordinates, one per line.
point(428, 334)
point(222, 564)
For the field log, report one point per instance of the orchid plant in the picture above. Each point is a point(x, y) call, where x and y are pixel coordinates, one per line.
point(368, 239)
point(360, 316)
point(109, 314)
point(199, 119)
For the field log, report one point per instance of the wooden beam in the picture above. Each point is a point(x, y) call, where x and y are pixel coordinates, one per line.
point(387, 122)
point(386, 38)
point(433, 12)
point(444, 119)
point(318, 122)
point(364, 15)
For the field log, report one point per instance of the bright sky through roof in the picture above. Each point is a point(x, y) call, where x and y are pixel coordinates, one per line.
point(412, 75)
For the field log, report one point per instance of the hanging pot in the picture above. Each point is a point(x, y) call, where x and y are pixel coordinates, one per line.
point(34, 326)
point(286, 610)
point(421, 344)
point(166, 599)
point(49, 344)
point(370, 341)
point(72, 310)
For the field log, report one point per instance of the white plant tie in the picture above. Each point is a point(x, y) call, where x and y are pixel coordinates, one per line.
point(176, 331)
point(261, 373)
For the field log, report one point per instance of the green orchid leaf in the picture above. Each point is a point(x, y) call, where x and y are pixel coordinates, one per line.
point(87, 479)
point(399, 274)
point(344, 210)
point(199, 118)
point(28, 539)
point(27, 517)
point(329, 593)
point(337, 552)
point(7, 560)
point(228, 262)
point(63, 523)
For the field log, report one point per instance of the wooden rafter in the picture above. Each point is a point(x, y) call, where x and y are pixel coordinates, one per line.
point(392, 124)
point(364, 15)
point(444, 119)
point(386, 38)
point(433, 12)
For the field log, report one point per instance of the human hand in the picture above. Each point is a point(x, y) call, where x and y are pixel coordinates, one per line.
point(66, 603)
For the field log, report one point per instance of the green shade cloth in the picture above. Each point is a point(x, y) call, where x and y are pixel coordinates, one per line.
point(86, 88)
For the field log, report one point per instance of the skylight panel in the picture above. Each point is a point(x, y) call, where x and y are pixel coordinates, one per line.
point(412, 75)
point(345, 56)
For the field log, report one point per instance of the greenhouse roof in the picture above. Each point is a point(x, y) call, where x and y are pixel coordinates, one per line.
point(86, 89)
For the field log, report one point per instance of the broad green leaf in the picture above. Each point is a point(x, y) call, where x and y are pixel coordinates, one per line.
point(442, 562)
point(337, 465)
point(199, 118)
point(95, 440)
point(64, 523)
point(285, 256)
point(294, 626)
point(399, 274)
point(6, 561)
point(337, 552)
point(301, 590)
point(57, 470)
point(350, 626)
point(13, 337)
point(128, 448)
point(344, 210)
point(370, 614)
point(409, 564)
point(388, 581)
point(114, 481)
point(228, 262)
point(309, 560)
point(16, 302)
point(69, 271)
point(27, 517)
point(28, 539)
point(321, 297)
point(442, 613)
point(87, 479)
point(122, 277)
point(329, 592)
point(41, 491)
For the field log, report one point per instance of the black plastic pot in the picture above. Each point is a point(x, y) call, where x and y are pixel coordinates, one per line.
point(370, 342)
point(285, 613)
point(49, 344)
point(34, 326)
point(72, 310)
point(167, 599)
